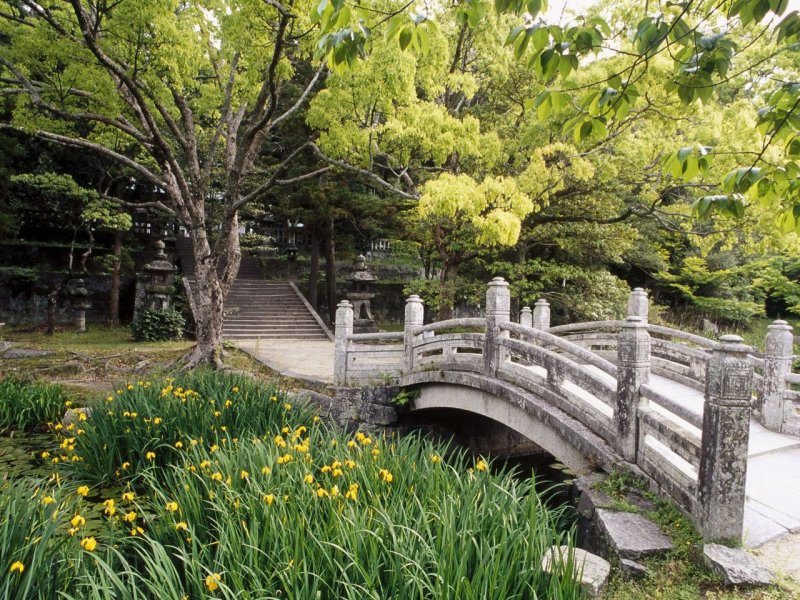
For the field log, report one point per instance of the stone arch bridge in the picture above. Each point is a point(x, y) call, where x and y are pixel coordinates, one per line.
point(688, 413)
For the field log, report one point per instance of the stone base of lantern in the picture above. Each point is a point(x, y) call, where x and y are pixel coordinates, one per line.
point(364, 326)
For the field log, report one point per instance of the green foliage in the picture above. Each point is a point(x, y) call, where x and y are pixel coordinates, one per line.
point(33, 534)
point(158, 325)
point(199, 407)
point(405, 397)
point(212, 521)
point(26, 405)
point(370, 505)
point(22, 276)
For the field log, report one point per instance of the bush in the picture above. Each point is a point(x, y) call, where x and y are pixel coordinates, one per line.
point(26, 405)
point(158, 325)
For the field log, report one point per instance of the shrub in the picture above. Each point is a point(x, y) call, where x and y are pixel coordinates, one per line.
point(26, 405)
point(158, 325)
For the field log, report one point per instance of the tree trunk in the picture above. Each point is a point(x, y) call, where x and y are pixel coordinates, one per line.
point(330, 270)
point(313, 276)
point(208, 293)
point(446, 292)
point(115, 280)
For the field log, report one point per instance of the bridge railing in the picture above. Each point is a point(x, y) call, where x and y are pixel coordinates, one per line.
point(365, 358)
point(698, 456)
point(574, 379)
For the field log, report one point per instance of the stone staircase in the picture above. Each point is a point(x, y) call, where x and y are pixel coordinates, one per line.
point(256, 308)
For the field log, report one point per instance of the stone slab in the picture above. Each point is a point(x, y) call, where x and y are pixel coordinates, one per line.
point(736, 566)
point(25, 353)
point(763, 441)
point(631, 569)
point(758, 529)
point(308, 360)
point(630, 535)
point(592, 569)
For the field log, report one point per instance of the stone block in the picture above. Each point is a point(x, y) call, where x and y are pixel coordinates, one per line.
point(736, 566)
point(592, 570)
point(591, 498)
point(73, 415)
point(631, 569)
point(630, 535)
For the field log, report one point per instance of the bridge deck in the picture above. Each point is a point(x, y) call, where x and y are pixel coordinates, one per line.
point(773, 469)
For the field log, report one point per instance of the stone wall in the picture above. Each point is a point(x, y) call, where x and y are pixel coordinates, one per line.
point(25, 302)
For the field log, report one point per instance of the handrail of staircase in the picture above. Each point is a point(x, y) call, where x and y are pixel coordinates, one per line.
point(313, 312)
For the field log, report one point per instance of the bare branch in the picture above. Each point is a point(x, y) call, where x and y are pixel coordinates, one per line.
point(107, 152)
point(364, 173)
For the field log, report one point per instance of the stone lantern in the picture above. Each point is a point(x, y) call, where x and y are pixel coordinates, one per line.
point(79, 297)
point(361, 295)
point(158, 276)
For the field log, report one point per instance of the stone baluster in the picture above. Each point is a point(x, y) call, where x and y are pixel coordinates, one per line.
point(541, 314)
point(726, 432)
point(498, 310)
point(526, 317)
point(633, 370)
point(777, 365)
point(415, 313)
point(344, 329)
point(638, 304)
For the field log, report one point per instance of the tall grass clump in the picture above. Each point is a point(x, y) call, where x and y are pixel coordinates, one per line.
point(145, 425)
point(26, 405)
point(38, 559)
point(304, 513)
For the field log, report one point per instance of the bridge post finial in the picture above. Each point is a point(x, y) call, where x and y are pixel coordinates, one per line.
point(415, 317)
point(344, 329)
point(777, 365)
point(498, 310)
point(638, 305)
point(526, 317)
point(633, 370)
point(541, 314)
point(726, 432)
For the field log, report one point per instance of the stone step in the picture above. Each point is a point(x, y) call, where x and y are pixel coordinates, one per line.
point(272, 336)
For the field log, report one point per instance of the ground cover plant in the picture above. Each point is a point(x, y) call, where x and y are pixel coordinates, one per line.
point(218, 487)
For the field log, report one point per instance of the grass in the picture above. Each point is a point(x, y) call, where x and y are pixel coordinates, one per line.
point(27, 405)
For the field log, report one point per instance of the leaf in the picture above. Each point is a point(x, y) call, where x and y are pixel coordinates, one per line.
point(405, 38)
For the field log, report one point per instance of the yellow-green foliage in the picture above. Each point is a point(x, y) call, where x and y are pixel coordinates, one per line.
point(494, 208)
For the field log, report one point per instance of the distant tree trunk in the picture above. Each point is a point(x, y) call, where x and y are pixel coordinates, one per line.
point(313, 276)
point(330, 270)
point(115, 280)
point(447, 299)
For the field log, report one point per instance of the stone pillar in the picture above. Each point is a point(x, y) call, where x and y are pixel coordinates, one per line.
point(344, 328)
point(777, 364)
point(526, 317)
point(726, 432)
point(638, 304)
point(498, 310)
point(415, 314)
point(633, 370)
point(541, 314)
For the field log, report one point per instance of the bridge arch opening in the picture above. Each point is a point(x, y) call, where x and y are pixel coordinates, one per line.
point(485, 423)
